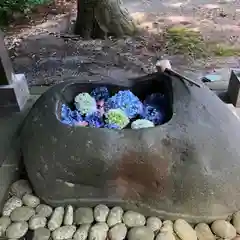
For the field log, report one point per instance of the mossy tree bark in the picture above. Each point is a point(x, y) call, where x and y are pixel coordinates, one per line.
point(99, 18)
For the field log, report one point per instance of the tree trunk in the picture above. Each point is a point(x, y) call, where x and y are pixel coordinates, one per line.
point(99, 18)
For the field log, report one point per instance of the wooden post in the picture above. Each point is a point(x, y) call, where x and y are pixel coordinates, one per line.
point(14, 91)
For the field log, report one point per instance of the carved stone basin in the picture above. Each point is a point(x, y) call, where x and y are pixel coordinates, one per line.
point(188, 167)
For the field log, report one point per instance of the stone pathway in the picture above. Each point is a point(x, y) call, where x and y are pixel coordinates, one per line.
point(23, 211)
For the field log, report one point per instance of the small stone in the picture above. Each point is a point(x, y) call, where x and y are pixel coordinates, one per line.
point(30, 200)
point(56, 219)
point(184, 230)
point(22, 214)
point(10, 205)
point(118, 232)
point(41, 234)
point(133, 219)
point(20, 188)
point(115, 216)
point(84, 215)
point(236, 238)
point(204, 232)
point(236, 221)
point(4, 223)
point(36, 222)
point(140, 233)
point(223, 229)
point(17, 230)
point(167, 226)
point(65, 232)
point(98, 231)
point(44, 210)
point(165, 236)
point(154, 223)
point(68, 218)
point(82, 232)
point(100, 213)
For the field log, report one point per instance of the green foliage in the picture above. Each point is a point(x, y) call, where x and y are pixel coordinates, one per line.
point(8, 7)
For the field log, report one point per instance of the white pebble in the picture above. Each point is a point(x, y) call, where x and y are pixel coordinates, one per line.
point(17, 230)
point(30, 200)
point(20, 188)
point(154, 223)
point(56, 218)
point(223, 229)
point(101, 212)
point(117, 232)
point(68, 218)
point(65, 232)
point(236, 221)
point(44, 210)
point(184, 230)
point(41, 234)
point(167, 226)
point(133, 219)
point(82, 232)
point(84, 215)
point(22, 214)
point(98, 231)
point(10, 205)
point(114, 216)
point(165, 236)
point(140, 233)
point(37, 221)
point(204, 232)
point(4, 223)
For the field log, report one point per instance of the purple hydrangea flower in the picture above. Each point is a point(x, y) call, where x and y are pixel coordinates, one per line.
point(127, 102)
point(70, 117)
point(94, 120)
point(152, 114)
point(100, 93)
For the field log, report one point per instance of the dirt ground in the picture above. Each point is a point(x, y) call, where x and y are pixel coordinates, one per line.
point(43, 50)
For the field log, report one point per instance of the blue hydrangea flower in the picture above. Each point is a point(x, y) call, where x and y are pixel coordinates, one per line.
point(70, 117)
point(117, 117)
point(152, 114)
point(141, 123)
point(95, 120)
point(100, 93)
point(156, 100)
point(126, 101)
point(85, 103)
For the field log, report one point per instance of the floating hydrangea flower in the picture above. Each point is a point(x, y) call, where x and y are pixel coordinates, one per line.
point(142, 123)
point(100, 93)
point(95, 120)
point(111, 126)
point(70, 117)
point(85, 104)
point(126, 101)
point(117, 117)
point(152, 114)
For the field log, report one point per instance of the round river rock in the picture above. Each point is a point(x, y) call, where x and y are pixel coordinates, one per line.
point(223, 229)
point(133, 219)
point(154, 223)
point(64, 232)
point(82, 232)
point(10, 205)
point(22, 214)
point(20, 188)
point(166, 236)
point(37, 221)
point(184, 230)
point(56, 218)
point(44, 210)
point(204, 232)
point(30, 200)
point(236, 221)
point(4, 223)
point(140, 233)
point(84, 215)
point(117, 232)
point(115, 216)
point(101, 212)
point(68, 218)
point(41, 234)
point(17, 230)
point(98, 231)
point(167, 226)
